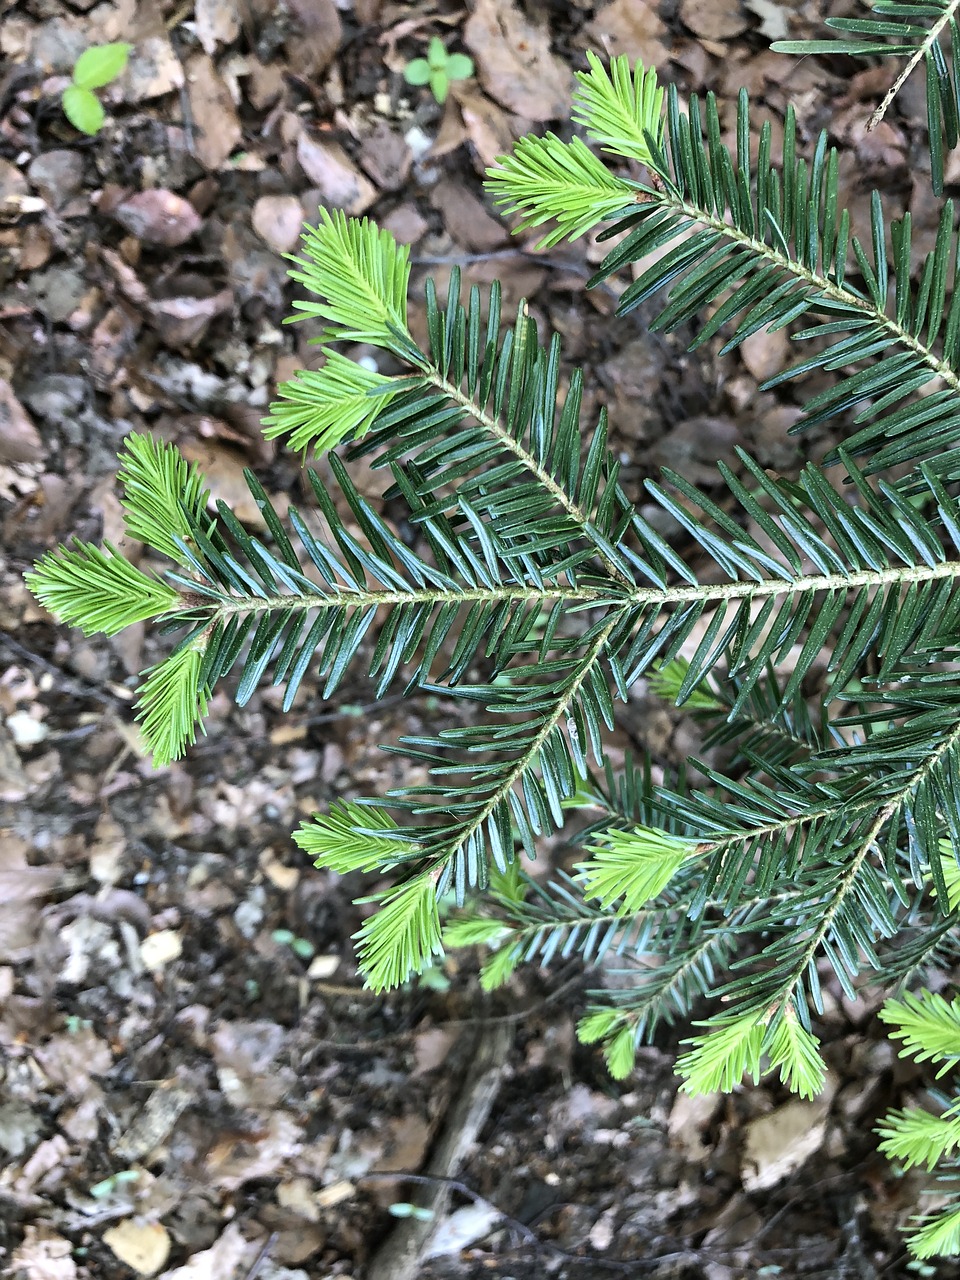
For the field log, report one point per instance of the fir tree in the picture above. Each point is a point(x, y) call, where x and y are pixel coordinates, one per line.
point(834, 834)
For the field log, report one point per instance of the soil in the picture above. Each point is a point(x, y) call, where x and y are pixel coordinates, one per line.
point(193, 1083)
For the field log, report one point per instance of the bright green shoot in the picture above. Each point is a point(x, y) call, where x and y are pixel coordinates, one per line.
point(929, 1027)
point(438, 69)
point(96, 67)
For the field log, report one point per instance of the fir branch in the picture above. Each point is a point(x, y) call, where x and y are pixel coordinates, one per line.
point(352, 837)
point(629, 868)
point(765, 250)
point(620, 108)
point(937, 1235)
point(896, 30)
point(403, 935)
point(319, 408)
point(916, 1137)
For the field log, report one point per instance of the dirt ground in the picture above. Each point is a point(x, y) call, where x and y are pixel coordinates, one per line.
point(193, 1084)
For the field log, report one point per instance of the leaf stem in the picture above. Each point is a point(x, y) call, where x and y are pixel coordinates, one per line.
point(849, 877)
point(823, 284)
point(524, 762)
point(524, 456)
point(710, 593)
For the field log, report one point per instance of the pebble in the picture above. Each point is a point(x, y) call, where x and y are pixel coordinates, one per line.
point(57, 175)
point(278, 221)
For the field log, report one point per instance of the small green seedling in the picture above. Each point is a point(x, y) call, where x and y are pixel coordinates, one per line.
point(438, 68)
point(301, 947)
point(96, 67)
point(103, 1190)
point(403, 1210)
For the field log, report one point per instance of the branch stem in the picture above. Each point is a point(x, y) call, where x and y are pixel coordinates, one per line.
point(225, 606)
point(821, 283)
point(921, 52)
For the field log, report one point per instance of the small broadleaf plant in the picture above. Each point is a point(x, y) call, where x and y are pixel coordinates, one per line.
point(438, 69)
point(811, 625)
point(96, 67)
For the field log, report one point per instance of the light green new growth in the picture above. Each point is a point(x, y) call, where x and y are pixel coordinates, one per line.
point(319, 408)
point(98, 590)
point(620, 108)
point(360, 274)
point(172, 704)
point(352, 837)
point(929, 1027)
point(628, 868)
point(547, 180)
point(404, 935)
point(817, 642)
point(163, 495)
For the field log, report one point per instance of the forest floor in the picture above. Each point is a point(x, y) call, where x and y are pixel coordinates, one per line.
point(193, 1083)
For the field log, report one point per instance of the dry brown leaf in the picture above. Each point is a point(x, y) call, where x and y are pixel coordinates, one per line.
point(12, 182)
point(19, 439)
point(630, 27)
point(43, 1255)
point(160, 948)
point(487, 127)
point(316, 37)
point(780, 1143)
point(57, 175)
point(773, 18)
point(407, 1144)
point(20, 882)
point(53, 1153)
point(432, 1048)
point(161, 1111)
point(689, 1117)
point(217, 22)
point(20, 886)
point(18, 931)
point(223, 471)
point(248, 1047)
point(183, 319)
point(515, 64)
point(765, 353)
point(385, 156)
point(222, 1261)
point(153, 71)
point(217, 128)
point(466, 219)
point(405, 224)
point(337, 178)
point(144, 1246)
point(70, 1058)
point(714, 19)
point(260, 1155)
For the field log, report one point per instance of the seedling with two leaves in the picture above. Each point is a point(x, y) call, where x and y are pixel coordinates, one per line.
point(438, 69)
point(96, 67)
